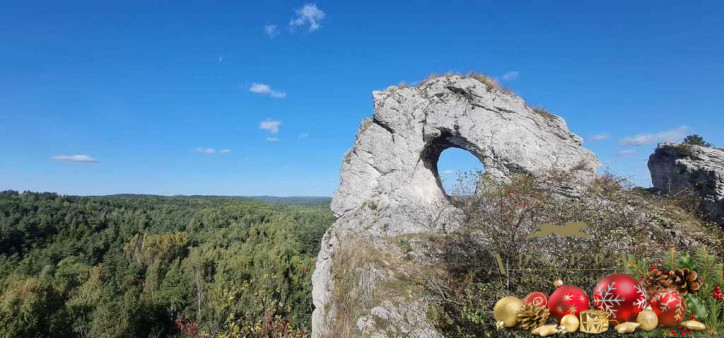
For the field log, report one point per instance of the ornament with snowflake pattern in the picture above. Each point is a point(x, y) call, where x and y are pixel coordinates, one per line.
point(669, 306)
point(567, 299)
point(622, 296)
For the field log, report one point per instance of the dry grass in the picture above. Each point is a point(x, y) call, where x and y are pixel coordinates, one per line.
point(543, 112)
point(350, 298)
point(490, 83)
point(402, 85)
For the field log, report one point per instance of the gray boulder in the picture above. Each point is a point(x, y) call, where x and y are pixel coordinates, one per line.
point(675, 167)
point(390, 184)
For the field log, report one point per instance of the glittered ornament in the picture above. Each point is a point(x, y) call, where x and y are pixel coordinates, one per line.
point(545, 330)
point(506, 310)
point(536, 298)
point(627, 327)
point(648, 319)
point(567, 299)
point(594, 321)
point(570, 322)
point(669, 306)
point(621, 295)
point(694, 325)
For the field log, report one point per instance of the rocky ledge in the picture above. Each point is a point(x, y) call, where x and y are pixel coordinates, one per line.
point(676, 167)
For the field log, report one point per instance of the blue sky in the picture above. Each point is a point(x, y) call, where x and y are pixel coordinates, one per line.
point(170, 97)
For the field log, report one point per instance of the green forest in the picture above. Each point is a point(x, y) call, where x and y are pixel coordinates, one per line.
point(150, 266)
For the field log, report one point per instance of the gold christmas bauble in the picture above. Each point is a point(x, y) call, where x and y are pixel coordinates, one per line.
point(648, 319)
point(570, 322)
point(506, 310)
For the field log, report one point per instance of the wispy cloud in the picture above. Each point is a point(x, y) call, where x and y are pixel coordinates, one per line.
point(265, 89)
point(272, 139)
point(447, 172)
point(271, 31)
point(202, 150)
point(625, 153)
point(308, 15)
point(221, 58)
point(74, 158)
point(303, 135)
point(667, 135)
point(271, 125)
point(510, 76)
point(601, 136)
point(225, 151)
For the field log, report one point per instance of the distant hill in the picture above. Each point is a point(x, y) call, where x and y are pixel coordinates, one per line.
point(289, 200)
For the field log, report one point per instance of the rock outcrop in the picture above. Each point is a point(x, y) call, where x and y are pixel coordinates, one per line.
point(390, 184)
point(675, 167)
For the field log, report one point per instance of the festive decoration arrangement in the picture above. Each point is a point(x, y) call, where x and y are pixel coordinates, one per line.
point(647, 299)
point(627, 327)
point(648, 319)
point(506, 310)
point(594, 321)
point(567, 299)
point(669, 306)
point(532, 316)
point(537, 298)
point(621, 295)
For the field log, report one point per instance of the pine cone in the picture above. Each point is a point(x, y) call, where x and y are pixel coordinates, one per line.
point(654, 281)
point(532, 316)
point(685, 281)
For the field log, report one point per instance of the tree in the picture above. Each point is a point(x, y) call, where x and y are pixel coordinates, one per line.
point(696, 140)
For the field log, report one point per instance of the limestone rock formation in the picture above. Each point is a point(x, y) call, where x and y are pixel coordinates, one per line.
point(675, 167)
point(390, 184)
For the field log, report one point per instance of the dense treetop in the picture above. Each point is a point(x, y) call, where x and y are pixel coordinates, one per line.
point(155, 266)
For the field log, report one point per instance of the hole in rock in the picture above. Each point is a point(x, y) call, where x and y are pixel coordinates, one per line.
point(459, 171)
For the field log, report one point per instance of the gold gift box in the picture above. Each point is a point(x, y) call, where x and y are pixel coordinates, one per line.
point(594, 321)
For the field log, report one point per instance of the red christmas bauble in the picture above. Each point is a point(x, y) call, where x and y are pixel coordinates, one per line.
point(622, 296)
point(669, 306)
point(567, 299)
point(537, 298)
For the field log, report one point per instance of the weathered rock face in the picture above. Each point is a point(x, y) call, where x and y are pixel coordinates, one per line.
point(390, 183)
point(675, 167)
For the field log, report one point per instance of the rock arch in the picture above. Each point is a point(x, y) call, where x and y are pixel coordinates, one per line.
point(390, 173)
point(392, 163)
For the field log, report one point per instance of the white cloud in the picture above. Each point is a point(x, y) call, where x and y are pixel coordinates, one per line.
point(303, 135)
point(271, 125)
point(265, 89)
point(601, 136)
point(271, 30)
point(74, 158)
point(308, 15)
point(448, 172)
point(225, 151)
point(202, 150)
point(272, 139)
point(510, 76)
point(667, 135)
point(625, 153)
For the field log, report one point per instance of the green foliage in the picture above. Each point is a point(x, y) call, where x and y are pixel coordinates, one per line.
point(138, 266)
point(696, 140)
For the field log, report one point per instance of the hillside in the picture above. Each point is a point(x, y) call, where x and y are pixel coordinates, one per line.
point(140, 266)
